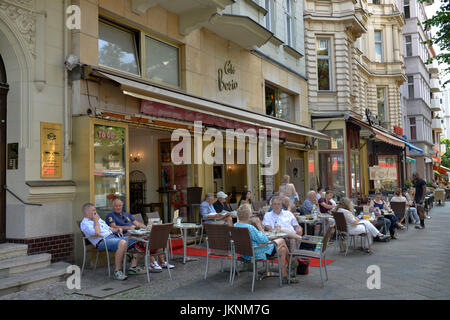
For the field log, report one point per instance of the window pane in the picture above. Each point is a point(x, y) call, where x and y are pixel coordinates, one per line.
point(286, 107)
point(378, 36)
point(407, 12)
point(323, 72)
point(270, 101)
point(161, 61)
point(117, 48)
point(322, 47)
point(336, 142)
point(268, 16)
point(378, 52)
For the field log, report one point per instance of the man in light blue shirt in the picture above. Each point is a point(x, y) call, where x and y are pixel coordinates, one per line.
point(210, 215)
point(309, 203)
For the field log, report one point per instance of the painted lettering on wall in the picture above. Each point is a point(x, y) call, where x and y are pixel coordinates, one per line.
point(225, 72)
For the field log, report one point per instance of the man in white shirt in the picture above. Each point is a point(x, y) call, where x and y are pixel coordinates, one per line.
point(93, 226)
point(284, 220)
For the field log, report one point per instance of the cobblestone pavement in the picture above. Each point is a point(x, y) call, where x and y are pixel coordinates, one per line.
point(414, 267)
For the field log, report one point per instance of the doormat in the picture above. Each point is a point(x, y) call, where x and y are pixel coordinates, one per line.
point(108, 289)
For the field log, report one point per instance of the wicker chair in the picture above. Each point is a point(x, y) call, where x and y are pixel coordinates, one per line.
point(218, 243)
point(308, 254)
point(400, 212)
point(242, 245)
point(342, 232)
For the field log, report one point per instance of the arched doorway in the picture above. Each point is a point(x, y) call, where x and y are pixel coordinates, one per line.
point(3, 92)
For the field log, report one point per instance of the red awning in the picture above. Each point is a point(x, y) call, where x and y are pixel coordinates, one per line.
point(385, 137)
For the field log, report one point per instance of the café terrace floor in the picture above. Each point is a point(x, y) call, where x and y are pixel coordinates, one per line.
point(413, 267)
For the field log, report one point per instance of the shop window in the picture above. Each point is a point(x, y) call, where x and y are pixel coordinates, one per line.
point(378, 46)
point(161, 61)
point(388, 171)
point(336, 142)
point(332, 171)
point(117, 48)
point(279, 104)
point(323, 64)
point(109, 167)
point(408, 44)
point(381, 104)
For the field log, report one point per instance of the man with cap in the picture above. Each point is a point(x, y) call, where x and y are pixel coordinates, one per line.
point(210, 215)
point(221, 204)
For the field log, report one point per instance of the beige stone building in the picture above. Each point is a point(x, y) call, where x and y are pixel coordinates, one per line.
point(355, 69)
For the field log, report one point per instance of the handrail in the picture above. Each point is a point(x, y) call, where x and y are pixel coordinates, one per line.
point(17, 197)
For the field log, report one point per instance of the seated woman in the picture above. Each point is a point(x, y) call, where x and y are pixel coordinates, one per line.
point(261, 253)
point(356, 226)
point(379, 203)
point(246, 198)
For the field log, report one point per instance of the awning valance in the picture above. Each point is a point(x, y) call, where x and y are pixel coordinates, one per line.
point(155, 93)
point(413, 147)
point(385, 137)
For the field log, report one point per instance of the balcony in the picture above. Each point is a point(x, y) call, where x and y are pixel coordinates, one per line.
point(436, 104)
point(192, 13)
point(437, 125)
point(433, 67)
point(434, 85)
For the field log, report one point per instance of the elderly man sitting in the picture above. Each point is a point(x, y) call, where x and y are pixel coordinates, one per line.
point(210, 215)
point(93, 226)
point(283, 220)
point(310, 203)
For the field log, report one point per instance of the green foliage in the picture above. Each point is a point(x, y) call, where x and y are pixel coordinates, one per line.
point(441, 20)
point(445, 159)
point(408, 184)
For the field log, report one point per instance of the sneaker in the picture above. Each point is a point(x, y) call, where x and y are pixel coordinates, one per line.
point(420, 227)
point(136, 270)
point(155, 267)
point(383, 237)
point(118, 275)
point(166, 265)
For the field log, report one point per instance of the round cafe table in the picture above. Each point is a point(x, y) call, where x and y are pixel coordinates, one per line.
point(184, 228)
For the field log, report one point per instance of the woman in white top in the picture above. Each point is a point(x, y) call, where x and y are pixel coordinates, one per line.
point(354, 224)
point(288, 189)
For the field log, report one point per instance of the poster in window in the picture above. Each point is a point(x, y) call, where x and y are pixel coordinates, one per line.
point(51, 150)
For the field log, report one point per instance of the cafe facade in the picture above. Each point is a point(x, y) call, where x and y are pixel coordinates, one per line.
point(147, 75)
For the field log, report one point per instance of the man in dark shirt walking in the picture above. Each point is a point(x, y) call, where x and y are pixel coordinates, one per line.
point(421, 190)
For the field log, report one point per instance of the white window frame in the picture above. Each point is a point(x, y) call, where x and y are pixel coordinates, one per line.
point(288, 22)
point(379, 42)
point(268, 16)
point(330, 65)
point(406, 45)
point(411, 84)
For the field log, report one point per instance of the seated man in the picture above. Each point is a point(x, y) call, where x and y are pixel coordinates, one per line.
point(283, 220)
point(310, 202)
point(288, 205)
point(221, 204)
point(399, 198)
point(126, 221)
point(326, 206)
point(210, 215)
point(93, 226)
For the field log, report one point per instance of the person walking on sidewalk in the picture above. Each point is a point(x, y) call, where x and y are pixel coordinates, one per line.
point(421, 190)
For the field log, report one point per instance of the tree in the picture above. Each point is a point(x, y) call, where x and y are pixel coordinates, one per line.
point(445, 159)
point(440, 20)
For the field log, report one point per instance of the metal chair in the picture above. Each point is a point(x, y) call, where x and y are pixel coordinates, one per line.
point(158, 239)
point(242, 245)
point(218, 243)
point(342, 232)
point(138, 217)
point(308, 254)
point(86, 243)
point(400, 212)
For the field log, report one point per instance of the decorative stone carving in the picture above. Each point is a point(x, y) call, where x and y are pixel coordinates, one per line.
point(20, 13)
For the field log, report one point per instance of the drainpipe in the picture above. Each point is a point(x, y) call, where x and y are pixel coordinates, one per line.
point(66, 110)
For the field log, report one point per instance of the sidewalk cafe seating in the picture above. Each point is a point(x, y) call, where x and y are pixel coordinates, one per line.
point(242, 245)
point(157, 240)
point(308, 254)
point(87, 244)
point(218, 243)
point(342, 235)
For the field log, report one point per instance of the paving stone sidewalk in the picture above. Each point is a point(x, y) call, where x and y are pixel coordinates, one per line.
point(414, 267)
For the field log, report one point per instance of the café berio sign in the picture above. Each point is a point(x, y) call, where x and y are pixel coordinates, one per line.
point(224, 75)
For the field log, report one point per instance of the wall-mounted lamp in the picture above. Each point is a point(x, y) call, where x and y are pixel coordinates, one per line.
point(135, 158)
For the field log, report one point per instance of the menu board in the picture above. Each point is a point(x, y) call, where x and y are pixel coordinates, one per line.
point(51, 150)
